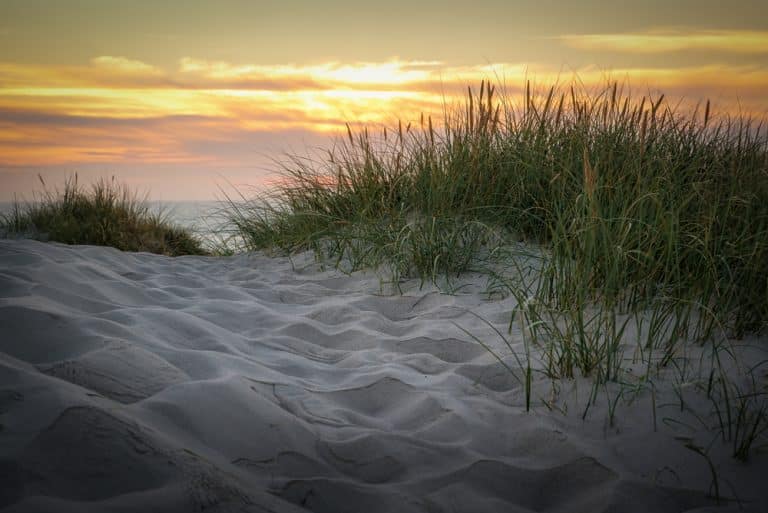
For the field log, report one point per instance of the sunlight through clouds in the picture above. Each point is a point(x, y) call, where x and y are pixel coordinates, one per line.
point(119, 109)
point(369, 73)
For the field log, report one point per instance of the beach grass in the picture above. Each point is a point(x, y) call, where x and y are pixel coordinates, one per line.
point(105, 214)
point(635, 204)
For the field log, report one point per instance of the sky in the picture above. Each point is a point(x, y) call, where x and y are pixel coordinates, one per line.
point(182, 99)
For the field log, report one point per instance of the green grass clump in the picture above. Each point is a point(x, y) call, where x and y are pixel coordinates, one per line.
point(635, 206)
point(630, 197)
point(107, 214)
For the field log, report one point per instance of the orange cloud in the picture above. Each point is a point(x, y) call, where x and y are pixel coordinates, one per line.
point(120, 110)
point(393, 72)
point(670, 40)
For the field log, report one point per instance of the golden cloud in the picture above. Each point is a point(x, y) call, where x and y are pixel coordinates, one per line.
point(331, 73)
point(126, 66)
point(671, 40)
point(116, 109)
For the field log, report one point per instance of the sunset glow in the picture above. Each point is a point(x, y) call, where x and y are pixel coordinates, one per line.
point(118, 108)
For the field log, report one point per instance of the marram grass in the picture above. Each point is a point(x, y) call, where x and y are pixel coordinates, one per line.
point(640, 221)
point(631, 199)
point(106, 214)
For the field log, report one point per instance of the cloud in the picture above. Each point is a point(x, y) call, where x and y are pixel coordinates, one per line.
point(371, 73)
point(392, 75)
point(22, 117)
point(673, 40)
point(111, 72)
point(125, 66)
point(115, 109)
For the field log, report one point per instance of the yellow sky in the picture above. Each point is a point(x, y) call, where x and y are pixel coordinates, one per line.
point(180, 106)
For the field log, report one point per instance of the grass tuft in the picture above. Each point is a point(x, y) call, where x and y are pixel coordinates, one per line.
point(107, 214)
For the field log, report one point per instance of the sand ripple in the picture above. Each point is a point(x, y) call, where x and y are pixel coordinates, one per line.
point(134, 382)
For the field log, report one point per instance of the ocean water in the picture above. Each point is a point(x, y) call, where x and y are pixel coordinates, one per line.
point(189, 214)
point(204, 218)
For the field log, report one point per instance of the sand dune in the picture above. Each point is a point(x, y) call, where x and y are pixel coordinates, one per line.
point(135, 382)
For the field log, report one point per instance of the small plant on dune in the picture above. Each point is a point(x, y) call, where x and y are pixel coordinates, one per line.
point(107, 214)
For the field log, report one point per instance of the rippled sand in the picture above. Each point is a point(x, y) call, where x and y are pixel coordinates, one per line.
point(135, 382)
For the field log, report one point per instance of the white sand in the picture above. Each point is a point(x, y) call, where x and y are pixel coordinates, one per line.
point(135, 382)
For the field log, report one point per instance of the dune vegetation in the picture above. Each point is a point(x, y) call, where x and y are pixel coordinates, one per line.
point(633, 213)
point(631, 201)
point(106, 214)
